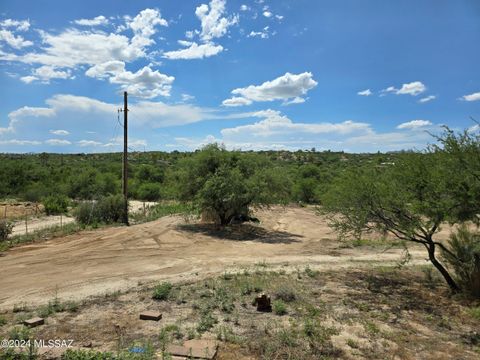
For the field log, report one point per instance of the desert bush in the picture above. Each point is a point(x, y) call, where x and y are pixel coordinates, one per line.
point(162, 291)
point(6, 228)
point(55, 204)
point(279, 307)
point(109, 209)
point(463, 256)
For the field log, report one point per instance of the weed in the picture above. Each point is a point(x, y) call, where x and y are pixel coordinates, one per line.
point(352, 343)
point(279, 307)
point(19, 333)
point(311, 273)
point(207, 321)
point(371, 328)
point(3, 321)
point(475, 312)
point(162, 291)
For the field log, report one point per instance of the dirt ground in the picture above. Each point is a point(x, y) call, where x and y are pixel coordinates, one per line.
point(14, 210)
point(119, 258)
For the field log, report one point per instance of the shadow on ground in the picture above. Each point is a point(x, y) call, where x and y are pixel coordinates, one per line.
point(241, 232)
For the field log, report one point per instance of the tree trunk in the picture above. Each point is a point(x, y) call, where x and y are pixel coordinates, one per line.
point(431, 255)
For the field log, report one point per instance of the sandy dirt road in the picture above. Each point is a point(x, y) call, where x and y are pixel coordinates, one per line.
point(105, 260)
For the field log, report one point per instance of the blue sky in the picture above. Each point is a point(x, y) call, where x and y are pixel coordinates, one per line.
point(358, 76)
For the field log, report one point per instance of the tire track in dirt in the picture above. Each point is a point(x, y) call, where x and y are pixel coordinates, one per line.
point(118, 258)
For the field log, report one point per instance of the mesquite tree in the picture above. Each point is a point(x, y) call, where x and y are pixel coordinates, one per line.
point(412, 198)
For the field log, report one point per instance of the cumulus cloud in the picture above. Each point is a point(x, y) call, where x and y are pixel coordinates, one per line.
point(471, 97)
point(288, 86)
point(414, 124)
point(366, 92)
point(214, 24)
point(267, 14)
point(9, 27)
point(45, 74)
point(244, 7)
point(427, 99)
point(414, 88)
point(96, 21)
point(66, 51)
point(59, 132)
point(194, 51)
point(145, 83)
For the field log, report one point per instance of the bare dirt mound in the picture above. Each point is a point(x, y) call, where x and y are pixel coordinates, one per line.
point(96, 262)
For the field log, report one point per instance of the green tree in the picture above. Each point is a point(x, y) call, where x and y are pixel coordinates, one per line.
point(55, 204)
point(412, 199)
point(228, 183)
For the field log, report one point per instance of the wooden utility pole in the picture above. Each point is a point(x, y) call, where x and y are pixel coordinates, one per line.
point(125, 153)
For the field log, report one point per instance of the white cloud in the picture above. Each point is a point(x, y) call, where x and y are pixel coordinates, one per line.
point(267, 14)
point(264, 34)
point(244, 7)
point(214, 24)
point(19, 25)
point(73, 48)
point(471, 97)
point(284, 88)
point(279, 17)
point(106, 69)
point(414, 124)
point(17, 42)
point(84, 143)
point(366, 92)
point(96, 21)
point(195, 51)
point(57, 142)
point(236, 101)
point(86, 113)
point(45, 73)
point(19, 142)
point(296, 100)
point(145, 83)
point(59, 132)
point(414, 88)
point(274, 123)
point(427, 99)
point(187, 97)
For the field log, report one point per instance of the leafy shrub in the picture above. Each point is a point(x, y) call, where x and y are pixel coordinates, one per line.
point(6, 229)
point(463, 255)
point(149, 192)
point(55, 204)
point(162, 291)
point(279, 307)
point(109, 209)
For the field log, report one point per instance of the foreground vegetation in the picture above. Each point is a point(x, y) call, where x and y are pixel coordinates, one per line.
point(374, 313)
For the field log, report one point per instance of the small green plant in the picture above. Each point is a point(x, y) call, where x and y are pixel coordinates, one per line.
point(6, 228)
point(311, 273)
point(371, 328)
point(279, 307)
point(475, 312)
point(19, 333)
point(207, 321)
point(3, 321)
point(162, 291)
point(55, 204)
point(352, 343)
